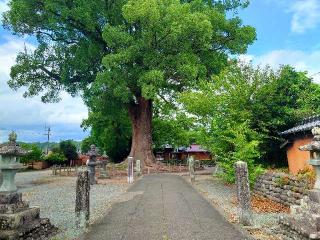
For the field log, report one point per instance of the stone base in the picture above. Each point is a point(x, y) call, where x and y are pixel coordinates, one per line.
point(103, 176)
point(304, 220)
point(19, 222)
point(314, 195)
point(40, 229)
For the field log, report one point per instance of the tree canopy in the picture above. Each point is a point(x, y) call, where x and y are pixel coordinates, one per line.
point(125, 54)
point(241, 111)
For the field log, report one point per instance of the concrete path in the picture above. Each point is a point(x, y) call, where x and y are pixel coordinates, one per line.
point(168, 208)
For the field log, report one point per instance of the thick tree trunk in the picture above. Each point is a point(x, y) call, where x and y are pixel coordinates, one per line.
point(141, 120)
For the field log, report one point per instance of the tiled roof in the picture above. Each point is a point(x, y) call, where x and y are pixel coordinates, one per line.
point(306, 125)
point(195, 148)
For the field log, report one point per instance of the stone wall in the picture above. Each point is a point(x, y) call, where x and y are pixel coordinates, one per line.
point(281, 187)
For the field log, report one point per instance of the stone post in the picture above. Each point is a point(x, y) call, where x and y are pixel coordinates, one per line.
point(82, 208)
point(130, 169)
point(191, 169)
point(138, 167)
point(243, 193)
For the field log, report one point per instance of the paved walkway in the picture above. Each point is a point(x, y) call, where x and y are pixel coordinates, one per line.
point(168, 208)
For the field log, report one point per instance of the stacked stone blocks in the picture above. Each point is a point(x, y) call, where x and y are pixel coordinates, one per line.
point(282, 188)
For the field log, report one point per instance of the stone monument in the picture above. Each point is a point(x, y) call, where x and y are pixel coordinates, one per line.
point(82, 208)
point(103, 168)
point(17, 219)
point(304, 220)
point(243, 193)
point(92, 163)
point(191, 169)
point(130, 169)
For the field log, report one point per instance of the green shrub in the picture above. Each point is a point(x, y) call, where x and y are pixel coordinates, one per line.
point(34, 153)
point(55, 158)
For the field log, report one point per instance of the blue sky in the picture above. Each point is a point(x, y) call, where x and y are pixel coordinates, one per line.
point(288, 32)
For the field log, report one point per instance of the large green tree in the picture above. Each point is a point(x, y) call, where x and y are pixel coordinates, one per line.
point(131, 51)
point(242, 110)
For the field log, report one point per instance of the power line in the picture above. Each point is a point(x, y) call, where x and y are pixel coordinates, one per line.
point(47, 133)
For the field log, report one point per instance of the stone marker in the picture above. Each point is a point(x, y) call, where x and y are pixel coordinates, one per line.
point(92, 163)
point(82, 208)
point(17, 219)
point(191, 169)
point(138, 167)
point(103, 167)
point(243, 193)
point(130, 169)
point(103, 170)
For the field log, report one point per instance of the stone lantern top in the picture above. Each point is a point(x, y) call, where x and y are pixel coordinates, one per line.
point(12, 148)
point(314, 146)
point(93, 152)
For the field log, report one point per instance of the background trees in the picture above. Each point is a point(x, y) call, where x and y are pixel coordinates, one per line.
point(242, 110)
point(34, 154)
point(69, 150)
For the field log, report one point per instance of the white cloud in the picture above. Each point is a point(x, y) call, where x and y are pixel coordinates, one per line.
point(306, 15)
point(9, 50)
point(3, 6)
point(28, 116)
point(300, 60)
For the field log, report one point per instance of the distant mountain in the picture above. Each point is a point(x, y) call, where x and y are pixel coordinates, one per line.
point(44, 145)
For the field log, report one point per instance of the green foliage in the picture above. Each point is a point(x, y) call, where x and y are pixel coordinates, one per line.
point(35, 153)
point(69, 150)
point(110, 132)
point(119, 52)
point(86, 143)
point(174, 128)
point(242, 110)
point(55, 158)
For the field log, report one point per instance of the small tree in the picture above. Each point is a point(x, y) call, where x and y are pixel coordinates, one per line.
point(34, 154)
point(69, 150)
point(55, 158)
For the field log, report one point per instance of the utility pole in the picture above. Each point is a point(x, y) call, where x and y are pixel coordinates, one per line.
point(47, 133)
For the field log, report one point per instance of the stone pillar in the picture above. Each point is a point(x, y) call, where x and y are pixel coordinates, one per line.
point(92, 163)
point(138, 167)
point(130, 169)
point(243, 193)
point(191, 169)
point(92, 173)
point(82, 208)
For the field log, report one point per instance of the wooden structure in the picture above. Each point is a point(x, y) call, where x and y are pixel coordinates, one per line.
point(296, 137)
point(183, 153)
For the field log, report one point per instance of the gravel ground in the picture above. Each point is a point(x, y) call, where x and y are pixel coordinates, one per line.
point(223, 196)
point(56, 198)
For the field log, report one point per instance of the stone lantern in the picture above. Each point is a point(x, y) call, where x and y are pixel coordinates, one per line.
point(92, 163)
point(314, 148)
point(9, 163)
point(17, 219)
